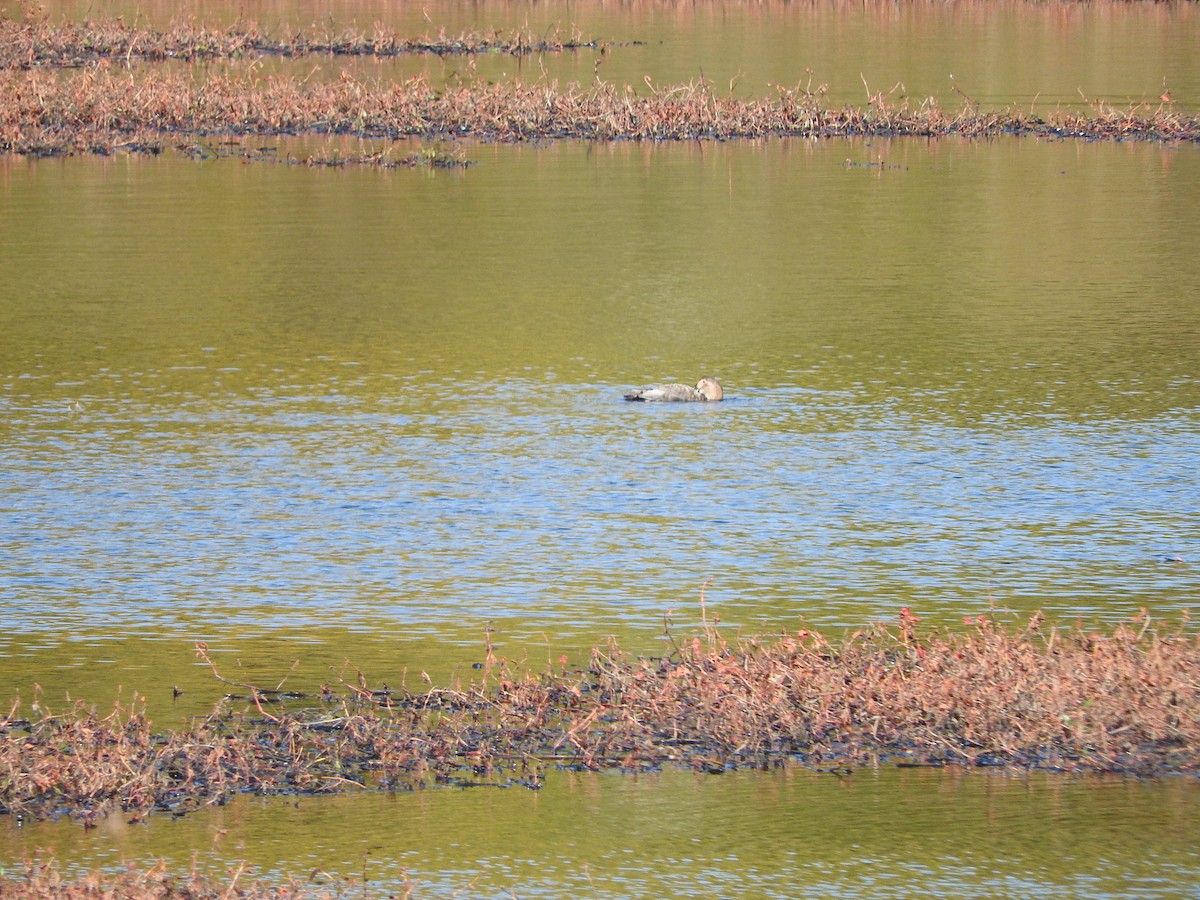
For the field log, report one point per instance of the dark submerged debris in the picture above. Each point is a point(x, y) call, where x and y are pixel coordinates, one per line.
point(427, 157)
point(1032, 697)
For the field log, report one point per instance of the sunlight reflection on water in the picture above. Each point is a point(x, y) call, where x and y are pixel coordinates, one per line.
point(779, 834)
point(565, 503)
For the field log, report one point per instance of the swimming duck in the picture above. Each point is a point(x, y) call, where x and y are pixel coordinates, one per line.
point(707, 388)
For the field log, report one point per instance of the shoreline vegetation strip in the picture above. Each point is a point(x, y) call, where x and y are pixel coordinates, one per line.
point(101, 88)
point(1001, 696)
point(103, 109)
point(34, 44)
point(43, 878)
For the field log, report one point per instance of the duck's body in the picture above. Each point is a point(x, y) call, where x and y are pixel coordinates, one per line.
point(706, 389)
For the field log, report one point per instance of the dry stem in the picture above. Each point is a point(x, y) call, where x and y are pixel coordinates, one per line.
point(1063, 699)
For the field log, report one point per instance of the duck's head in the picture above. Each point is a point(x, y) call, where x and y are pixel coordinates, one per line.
point(710, 388)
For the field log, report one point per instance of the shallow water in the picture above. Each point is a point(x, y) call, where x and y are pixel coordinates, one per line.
point(363, 420)
point(363, 410)
point(788, 834)
point(1038, 56)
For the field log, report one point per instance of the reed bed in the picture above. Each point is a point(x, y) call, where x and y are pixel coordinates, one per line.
point(44, 879)
point(39, 43)
point(1068, 699)
point(100, 87)
point(105, 108)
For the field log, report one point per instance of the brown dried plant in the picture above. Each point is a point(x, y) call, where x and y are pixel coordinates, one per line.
point(1060, 698)
point(103, 108)
point(43, 878)
point(33, 41)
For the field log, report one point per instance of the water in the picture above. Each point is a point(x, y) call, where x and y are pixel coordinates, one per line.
point(788, 834)
point(395, 404)
point(1030, 56)
point(357, 419)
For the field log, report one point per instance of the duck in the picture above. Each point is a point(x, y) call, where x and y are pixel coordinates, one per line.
point(706, 389)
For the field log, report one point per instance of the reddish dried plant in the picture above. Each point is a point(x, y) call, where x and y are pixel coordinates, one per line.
point(34, 41)
point(102, 87)
point(44, 879)
point(1065, 699)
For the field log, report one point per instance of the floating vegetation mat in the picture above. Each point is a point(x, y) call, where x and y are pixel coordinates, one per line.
point(44, 879)
point(1066, 699)
point(103, 109)
point(102, 88)
point(35, 43)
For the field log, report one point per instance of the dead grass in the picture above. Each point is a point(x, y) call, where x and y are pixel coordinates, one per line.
point(36, 42)
point(101, 88)
point(105, 108)
point(1069, 699)
point(44, 879)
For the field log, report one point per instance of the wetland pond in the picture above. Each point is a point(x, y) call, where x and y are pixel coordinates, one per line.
point(359, 419)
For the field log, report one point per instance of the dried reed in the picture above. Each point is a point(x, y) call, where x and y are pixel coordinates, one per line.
point(38, 43)
point(44, 879)
point(102, 108)
point(105, 102)
point(1063, 699)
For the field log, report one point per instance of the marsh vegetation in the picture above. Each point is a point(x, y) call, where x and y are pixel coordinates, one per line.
point(242, 403)
point(1034, 696)
point(102, 87)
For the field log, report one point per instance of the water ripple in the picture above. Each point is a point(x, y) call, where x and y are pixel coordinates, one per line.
point(571, 508)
